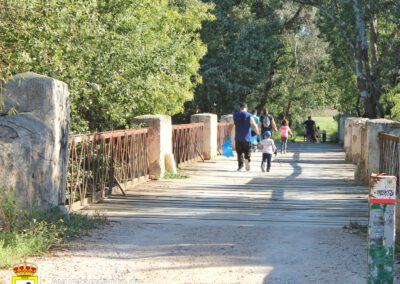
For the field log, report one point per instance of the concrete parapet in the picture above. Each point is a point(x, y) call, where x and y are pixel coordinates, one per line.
point(160, 143)
point(374, 127)
point(210, 133)
point(34, 142)
point(356, 139)
point(227, 118)
point(341, 127)
point(347, 137)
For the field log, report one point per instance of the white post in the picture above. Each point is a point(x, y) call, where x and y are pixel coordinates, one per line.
point(381, 229)
point(229, 118)
point(356, 139)
point(160, 143)
point(210, 134)
point(347, 137)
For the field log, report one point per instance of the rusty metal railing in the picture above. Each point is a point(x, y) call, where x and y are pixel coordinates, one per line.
point(224, 131)
point(389, 146)
point(187, 142)
point(99, 161)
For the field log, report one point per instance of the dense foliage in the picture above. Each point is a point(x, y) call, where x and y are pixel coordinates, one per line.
point(120, 58)
point(267, 53)
point(339, 54)
point(243, 50)
point(363, 38)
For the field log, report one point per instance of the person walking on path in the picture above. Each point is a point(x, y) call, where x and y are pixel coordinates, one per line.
point(243, 121)
point(310, 126)
point(268, 148)
point(267, 122)
point(284, 131)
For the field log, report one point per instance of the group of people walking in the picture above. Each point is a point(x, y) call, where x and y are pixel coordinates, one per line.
point(253, 130)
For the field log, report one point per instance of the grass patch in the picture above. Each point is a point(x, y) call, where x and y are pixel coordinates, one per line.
point(177, 175)
point(327, 123)
point(25, 234)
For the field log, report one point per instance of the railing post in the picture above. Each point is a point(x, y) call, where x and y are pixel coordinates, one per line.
point(356, 138)
point(341, 127)
point(160, 143)
point(347, 137)
point(381, 229)
point(229, 118)
point(210, 137)
point(374, 126)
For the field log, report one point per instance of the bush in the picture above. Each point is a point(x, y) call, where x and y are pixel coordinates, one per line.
point(27, 233)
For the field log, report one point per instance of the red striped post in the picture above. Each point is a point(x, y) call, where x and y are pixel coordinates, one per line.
point(381, 229)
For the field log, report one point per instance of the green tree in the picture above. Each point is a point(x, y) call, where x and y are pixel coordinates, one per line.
point(300, 87)
point(120, 58)
point(363, 37)
point(244, 47)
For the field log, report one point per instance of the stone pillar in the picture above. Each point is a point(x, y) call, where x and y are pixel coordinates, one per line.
point(347, 137)
point(34, 142)
point(341, 122)
point(210, 134)
point(229, 118)
point(356, 138)
point(374, 126)
point(359, 150)
point(160, 143)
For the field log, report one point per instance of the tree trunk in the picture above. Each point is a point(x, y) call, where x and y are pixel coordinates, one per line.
point(363, 71)
point(264, 99)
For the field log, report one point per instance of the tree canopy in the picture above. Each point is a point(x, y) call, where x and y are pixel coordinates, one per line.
point(122, 58)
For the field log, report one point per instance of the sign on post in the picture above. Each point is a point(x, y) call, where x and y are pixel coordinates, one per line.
point(381, 229)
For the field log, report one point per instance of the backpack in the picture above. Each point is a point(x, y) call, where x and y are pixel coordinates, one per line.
point(266, 121)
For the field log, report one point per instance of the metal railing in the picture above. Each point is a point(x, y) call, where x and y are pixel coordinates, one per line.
point(224, 131)
point(389, 146)
point(99, 161)
point(187, 142)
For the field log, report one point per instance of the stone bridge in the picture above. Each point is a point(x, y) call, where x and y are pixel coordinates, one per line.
point(216, 226)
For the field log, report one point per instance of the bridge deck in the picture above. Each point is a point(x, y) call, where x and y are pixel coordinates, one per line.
point(226, 227)
point(310, 186)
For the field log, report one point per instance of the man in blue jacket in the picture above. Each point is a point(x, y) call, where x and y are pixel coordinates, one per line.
point(243, 122)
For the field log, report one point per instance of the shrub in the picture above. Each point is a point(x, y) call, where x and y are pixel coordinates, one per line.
point(26, 233)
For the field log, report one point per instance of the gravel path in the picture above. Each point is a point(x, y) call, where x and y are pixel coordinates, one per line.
point(221, 226)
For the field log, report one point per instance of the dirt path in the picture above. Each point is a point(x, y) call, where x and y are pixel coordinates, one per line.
point(223, 226)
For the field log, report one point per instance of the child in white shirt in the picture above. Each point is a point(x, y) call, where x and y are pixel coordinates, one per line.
point(268, 148)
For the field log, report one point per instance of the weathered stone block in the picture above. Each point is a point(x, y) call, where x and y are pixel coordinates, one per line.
point(356, 138)
point(210, 133)
point(160, 142)
point(34, 143)
point(347, 137)
point(229, 118)
point(341, 126)
point(170, 164)
point(374, 126)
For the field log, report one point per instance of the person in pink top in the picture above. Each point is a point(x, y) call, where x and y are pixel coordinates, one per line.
point(284, 131)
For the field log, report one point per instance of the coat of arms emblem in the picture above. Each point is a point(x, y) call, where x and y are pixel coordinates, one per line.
point(25, 274)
